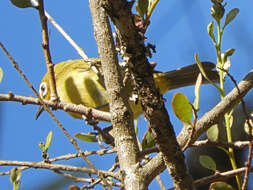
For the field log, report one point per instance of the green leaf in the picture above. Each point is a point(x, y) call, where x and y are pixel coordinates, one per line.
point(48, 141)
point(86, 137)
point(136, 126)
point(203, 71)
point(148, 140)
point(42, 146)
point(197, 91)
point(15, 175)
point(142, 7)
point(213, 133)
point(210, 32)
point(229, 52)
point(247, 127)
point(230, 16)
point(210, 28)
point(217, 11)
point(1, 74)
point(22, 3)
point(182, 108)
point(220, 185)
point(207, 162)
point(73, 187)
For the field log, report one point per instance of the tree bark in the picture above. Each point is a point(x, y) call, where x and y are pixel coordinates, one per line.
point(122, 119)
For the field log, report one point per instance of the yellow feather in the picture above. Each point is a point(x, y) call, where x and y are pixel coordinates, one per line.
point(77, 83)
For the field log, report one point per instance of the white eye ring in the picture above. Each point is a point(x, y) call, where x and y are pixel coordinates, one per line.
point(43, 89)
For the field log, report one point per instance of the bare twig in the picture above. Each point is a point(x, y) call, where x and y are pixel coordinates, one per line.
point(87, 153)
point(71, 156)
point(159, 181)
point(60, 167)
point(64, 34)
point(45, 45)
point(70, 138)
point(74, 178)
point(248, 163)
point(236, 144)
point(156, 165)
point(69, 39)
point(67, 107)
point(219, 176)
point(87, 180)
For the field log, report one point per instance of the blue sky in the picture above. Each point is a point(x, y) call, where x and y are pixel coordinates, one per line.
point(178, 29)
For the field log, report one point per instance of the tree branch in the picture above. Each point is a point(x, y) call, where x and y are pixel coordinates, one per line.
point(156, 165)
point(150, 98)
point(60, 167)
point(45, 45)
point(67, 107)
point(122, 119)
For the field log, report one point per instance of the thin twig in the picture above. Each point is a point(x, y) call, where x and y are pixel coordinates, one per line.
point(236, 144)
point(71, 156)
point(45, 45)
point(87, 180)
point(69, 39)
point(70, 138)
point(74, 178)
point(95, 182)
point(9, 172)
point(219, 176)
point(67, 107)
point(248, 162)
point(159, 181)
point(87, 153)
point(69, 168)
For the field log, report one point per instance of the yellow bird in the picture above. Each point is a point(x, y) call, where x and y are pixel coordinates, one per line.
point(76, 83)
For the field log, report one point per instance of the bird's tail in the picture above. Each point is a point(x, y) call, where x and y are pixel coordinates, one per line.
point(185, 76)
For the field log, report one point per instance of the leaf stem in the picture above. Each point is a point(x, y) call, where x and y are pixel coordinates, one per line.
point(227, 116)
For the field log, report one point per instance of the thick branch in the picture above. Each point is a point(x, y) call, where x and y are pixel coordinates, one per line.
point(219, 176)
point(213, 116)
point(156, 165)
point(122, 119)
point(149, 96)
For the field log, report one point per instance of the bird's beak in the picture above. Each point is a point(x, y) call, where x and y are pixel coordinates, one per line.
point(40, 110)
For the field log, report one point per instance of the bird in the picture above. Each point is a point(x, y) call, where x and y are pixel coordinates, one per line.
point(77, 83)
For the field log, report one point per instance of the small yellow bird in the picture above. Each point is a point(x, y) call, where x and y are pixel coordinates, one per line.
point(76, 83)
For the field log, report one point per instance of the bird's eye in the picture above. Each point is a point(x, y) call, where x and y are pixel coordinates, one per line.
point(43, 89)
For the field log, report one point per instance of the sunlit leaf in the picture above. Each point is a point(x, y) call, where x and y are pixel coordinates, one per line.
point(22, 3)
point(247, 127)
point(197, 91)
point(48, 140)
point(230, 16)
point(220, 185)
point(73, 187)
point(207, 162)
point(136, 126)
point(210, 29)
point(86, 137)
point(42, 146)
point(142, 7)
point(15, 175)
point(182, 108)
point(148, 140)
point(213, 133)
